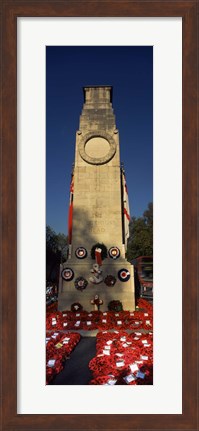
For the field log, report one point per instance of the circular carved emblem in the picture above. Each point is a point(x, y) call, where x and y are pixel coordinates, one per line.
point(97, 148)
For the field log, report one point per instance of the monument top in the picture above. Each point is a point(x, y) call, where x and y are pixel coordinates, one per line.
point(98, 92)
point(97, 113)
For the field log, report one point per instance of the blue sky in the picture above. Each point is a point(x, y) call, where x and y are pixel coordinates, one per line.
point(129, 70)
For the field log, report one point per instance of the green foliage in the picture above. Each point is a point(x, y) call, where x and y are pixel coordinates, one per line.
point(148, 215)
point(56, 253)
point(140, 242)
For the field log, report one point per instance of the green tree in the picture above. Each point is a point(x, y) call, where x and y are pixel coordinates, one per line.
point(148, 215)
point(140, 242)
point(56, 253)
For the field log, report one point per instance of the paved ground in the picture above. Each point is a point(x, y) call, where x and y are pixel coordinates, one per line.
point(76, 371)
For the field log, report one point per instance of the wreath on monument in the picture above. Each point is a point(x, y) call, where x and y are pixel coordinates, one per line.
point(123, 274)
point(104, 252)
point(67, 274)
point(114, 252)
point(115, 306)
point(76, 306)
point(110, 280)
point(81, 253)
point(81, 283)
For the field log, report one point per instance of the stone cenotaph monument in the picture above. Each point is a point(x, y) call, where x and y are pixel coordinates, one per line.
point(96, 271)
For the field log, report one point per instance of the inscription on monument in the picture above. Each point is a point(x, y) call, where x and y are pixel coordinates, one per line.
point(97, 230)
point(96, 215)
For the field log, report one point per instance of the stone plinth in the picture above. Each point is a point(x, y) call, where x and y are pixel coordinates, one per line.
point(122, 291)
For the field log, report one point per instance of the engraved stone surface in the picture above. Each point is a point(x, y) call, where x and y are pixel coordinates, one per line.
point(97, 211)
point(97, 147)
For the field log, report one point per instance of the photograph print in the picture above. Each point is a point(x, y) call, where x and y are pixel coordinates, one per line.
point(99, 215)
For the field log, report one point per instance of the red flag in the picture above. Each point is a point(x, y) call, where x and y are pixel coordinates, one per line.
point(126, 210)
point(70, 215)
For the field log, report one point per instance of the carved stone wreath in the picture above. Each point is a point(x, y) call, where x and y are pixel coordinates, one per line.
point(97, 160)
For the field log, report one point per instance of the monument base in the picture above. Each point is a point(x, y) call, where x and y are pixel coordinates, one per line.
point(122, 290)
